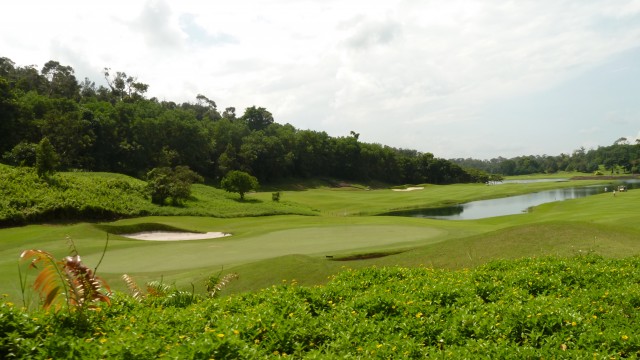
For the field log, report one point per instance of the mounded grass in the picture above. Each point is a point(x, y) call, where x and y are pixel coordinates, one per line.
point(73, 196)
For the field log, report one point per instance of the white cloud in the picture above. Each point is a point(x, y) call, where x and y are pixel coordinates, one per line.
point(398, 72)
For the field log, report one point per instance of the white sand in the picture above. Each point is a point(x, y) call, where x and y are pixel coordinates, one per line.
point(409, 189)
point(173, 236)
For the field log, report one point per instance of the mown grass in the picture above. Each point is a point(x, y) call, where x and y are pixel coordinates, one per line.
point(257, 241)
point(263, 248)
point(361, 202)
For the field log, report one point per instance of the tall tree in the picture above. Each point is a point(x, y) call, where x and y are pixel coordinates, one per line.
point(257, 118)
point(9, 117)
point(61, 80)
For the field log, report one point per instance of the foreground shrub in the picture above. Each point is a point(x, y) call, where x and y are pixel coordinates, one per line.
point(583, 307)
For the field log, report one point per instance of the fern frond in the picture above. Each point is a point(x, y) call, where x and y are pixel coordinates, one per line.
point(158, 289)
point(224, 281)
point(136, 292)
point(85, 287)
point(48, 283)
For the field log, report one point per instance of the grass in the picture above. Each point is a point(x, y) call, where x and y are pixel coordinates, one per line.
point(544, 303)
point(361, 202)
point(25, 198)
point(266, 250)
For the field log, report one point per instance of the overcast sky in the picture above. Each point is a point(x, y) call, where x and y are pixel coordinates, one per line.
point(474, 79)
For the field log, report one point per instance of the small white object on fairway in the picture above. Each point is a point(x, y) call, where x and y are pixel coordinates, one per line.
point(410, 188)
point(173, 235)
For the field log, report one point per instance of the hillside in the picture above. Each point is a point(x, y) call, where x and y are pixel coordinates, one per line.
point(26, 198)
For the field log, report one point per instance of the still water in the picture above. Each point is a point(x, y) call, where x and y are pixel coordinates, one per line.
point(509, 205)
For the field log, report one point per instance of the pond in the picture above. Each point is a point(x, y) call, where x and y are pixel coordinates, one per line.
point(510, 205)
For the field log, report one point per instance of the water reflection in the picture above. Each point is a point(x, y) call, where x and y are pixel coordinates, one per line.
point(510, 205)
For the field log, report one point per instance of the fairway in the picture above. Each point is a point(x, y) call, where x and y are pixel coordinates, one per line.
point(318, 241)
point(265, 250)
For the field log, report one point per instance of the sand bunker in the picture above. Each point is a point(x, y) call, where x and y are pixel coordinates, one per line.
point(173, 236)
point(410, 188)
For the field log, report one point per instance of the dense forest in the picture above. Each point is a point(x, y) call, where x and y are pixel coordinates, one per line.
point(621, 157)
point(116, 128)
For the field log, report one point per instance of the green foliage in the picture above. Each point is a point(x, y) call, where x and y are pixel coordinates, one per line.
point(23, 154)
point(160, 294)
point(115, 128)
point(165, 183)
point(581, 307)
point(46, 158)
point(240, 182)
point(26, 198)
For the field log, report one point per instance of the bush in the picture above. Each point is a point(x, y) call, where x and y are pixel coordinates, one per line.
point(23, 154)
point(581, 307)
point(165, 183)
point(47, 159)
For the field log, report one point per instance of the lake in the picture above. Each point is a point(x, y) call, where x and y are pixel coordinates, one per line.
point(510, 205)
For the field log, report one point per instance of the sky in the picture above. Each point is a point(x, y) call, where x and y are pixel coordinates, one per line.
point(459, 79)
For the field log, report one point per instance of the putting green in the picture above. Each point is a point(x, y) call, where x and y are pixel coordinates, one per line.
point(320, 241)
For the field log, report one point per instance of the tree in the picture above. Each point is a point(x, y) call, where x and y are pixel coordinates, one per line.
point(165, 183)
point(46, 158)
point(240, 182)
point(61, 80)
point(257, 118)
point(23, 154)
point(123, 86)
point(621, 141)
point(9, 112)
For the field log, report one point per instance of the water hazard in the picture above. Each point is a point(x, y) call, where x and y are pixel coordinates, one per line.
point(510, 205)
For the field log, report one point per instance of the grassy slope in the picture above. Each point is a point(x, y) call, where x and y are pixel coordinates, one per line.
point(266, 250)
point(597, 224)
point(25, 198)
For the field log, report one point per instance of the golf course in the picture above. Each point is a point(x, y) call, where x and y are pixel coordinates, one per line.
point(339, 223)
point(322, 272)
point(388, 204)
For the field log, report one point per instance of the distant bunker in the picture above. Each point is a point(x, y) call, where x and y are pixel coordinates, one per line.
point(174, 235)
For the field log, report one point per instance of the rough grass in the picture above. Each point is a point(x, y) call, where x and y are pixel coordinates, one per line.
point(76, 196)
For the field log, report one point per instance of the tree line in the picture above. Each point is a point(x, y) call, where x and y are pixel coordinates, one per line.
point(620, 157)
point(117, 128)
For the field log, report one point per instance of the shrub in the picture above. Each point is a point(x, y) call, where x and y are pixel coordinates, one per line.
point(165, 183)
point(47, 159)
